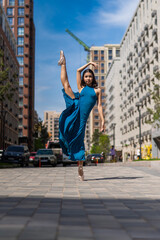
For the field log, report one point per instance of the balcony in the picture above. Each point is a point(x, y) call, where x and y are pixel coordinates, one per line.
point(154, 13)
point(136, 60)
point(154, 32)
point(146, 44)
point(136, 89)
point(135, 45)
point(146, 27)
point(155, 69)
point(155, 50)
point(142, 33)
point(147, 60)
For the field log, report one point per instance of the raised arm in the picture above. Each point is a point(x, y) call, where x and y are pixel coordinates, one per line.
point(100, 109)
point(79, 70)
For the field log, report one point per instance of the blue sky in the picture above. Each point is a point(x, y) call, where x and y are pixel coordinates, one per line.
point(96, 22)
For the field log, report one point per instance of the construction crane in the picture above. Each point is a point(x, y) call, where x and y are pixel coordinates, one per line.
point(86, 48)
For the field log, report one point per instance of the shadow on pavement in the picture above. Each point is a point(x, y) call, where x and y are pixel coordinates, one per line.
point(112, 178)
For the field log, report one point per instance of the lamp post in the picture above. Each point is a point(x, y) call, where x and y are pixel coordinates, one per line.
point(113, 127)
point(138, 105)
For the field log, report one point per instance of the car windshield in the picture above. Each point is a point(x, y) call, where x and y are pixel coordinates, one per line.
point(15, 149)
point(32, 154)
point(44, 152)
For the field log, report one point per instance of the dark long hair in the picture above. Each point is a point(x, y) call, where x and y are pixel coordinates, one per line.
point(94, 82)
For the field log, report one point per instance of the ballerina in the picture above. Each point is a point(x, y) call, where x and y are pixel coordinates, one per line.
point(73, 119)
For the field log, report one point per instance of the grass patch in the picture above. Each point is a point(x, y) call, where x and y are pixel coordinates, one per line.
point(152, 159)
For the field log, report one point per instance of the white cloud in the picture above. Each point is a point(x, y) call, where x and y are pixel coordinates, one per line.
point(121, 16)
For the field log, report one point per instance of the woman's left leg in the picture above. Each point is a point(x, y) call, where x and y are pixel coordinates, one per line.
point(80, 170)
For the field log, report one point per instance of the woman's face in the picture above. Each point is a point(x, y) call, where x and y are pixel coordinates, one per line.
point(88, 78)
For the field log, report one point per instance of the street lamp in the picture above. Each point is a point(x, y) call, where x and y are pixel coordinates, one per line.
point(113, 127)
point(139, 105)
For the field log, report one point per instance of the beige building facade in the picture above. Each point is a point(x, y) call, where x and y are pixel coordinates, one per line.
point(140, 59)
point(113, 101)
point(51, 121)
point(103, 56)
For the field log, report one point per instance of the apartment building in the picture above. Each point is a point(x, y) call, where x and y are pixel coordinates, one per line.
point(9, 110)
point(20, 18)
point(51, 121)
point(113, 101)
point(140, 55)
point(103, 56)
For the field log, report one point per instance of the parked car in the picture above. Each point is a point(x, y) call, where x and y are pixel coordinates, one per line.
point(55, 146)
point(32, 157)
point(66, 161)
point(18, 154)
point(94, 157)
point(45, 157)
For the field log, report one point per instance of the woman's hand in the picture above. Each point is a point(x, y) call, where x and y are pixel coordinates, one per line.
point(95, 65)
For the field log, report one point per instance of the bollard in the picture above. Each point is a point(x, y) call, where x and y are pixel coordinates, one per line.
point(96, 161)
point(39, 162)
point(77, 163)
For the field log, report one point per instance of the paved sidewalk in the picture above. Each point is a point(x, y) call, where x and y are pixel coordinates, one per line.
point(113, 203)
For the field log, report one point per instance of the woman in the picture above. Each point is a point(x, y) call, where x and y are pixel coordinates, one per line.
point(78, 107)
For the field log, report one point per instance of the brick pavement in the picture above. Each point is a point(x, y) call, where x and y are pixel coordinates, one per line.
point(113, 203)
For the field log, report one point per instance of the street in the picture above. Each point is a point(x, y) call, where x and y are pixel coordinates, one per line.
point(113, 203)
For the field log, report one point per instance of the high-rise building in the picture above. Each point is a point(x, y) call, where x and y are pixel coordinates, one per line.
point(51, 121)
point(20, 18)
point(140, 59)
point(9, 109)
point(103, 56)
point(113, 99)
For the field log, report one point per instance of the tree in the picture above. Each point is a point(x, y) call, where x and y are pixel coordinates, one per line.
point(155, 94)
point(7, 87)
point(41, 135)
point(7, 91)
point(100, 143)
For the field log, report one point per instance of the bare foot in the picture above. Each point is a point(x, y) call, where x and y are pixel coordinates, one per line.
point(62, 60)
point(81, 173)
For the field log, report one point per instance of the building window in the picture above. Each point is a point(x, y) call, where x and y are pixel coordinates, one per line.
point(20, 50)
point(117, 53)
point(95, 58)
point(102, 70)
point(21, 90)
point(96, 123)
point(110, 57)
point(102, 64)
point(102, 77)
point(10, 20)
point(102, 84)
point(20, 11)
point(102, 58)
point(21, 70)
point(21, 102)
point(96, 70)
point(110, 52)
point(102, 52)
point(10, 11)
point(95, 110)
point(96, 117)
point(95, 52)
point(109, 64)
point(20, 30)
point(102, 90)
point(20, 60)
point(11, 2)
point(96, 77)
point(1, 2)
point(21, 21)
point(20, 2)
point(20, 41)
point(21, 81)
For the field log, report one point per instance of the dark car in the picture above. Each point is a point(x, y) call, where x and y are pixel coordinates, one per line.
point(45, 157)
point(17, 154)
point(93, 158)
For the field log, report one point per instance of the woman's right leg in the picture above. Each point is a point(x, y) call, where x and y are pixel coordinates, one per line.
point(64, 77)
point(80, 170)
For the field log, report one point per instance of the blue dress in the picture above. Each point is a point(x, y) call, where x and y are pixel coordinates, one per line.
point(73, 120)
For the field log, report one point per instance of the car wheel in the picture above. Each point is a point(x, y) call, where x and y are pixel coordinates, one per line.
point(35, 165)
point(54, 164)
point(22, 164)
point(64, 164)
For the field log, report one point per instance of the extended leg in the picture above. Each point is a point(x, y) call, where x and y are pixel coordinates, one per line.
point(64, 77)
